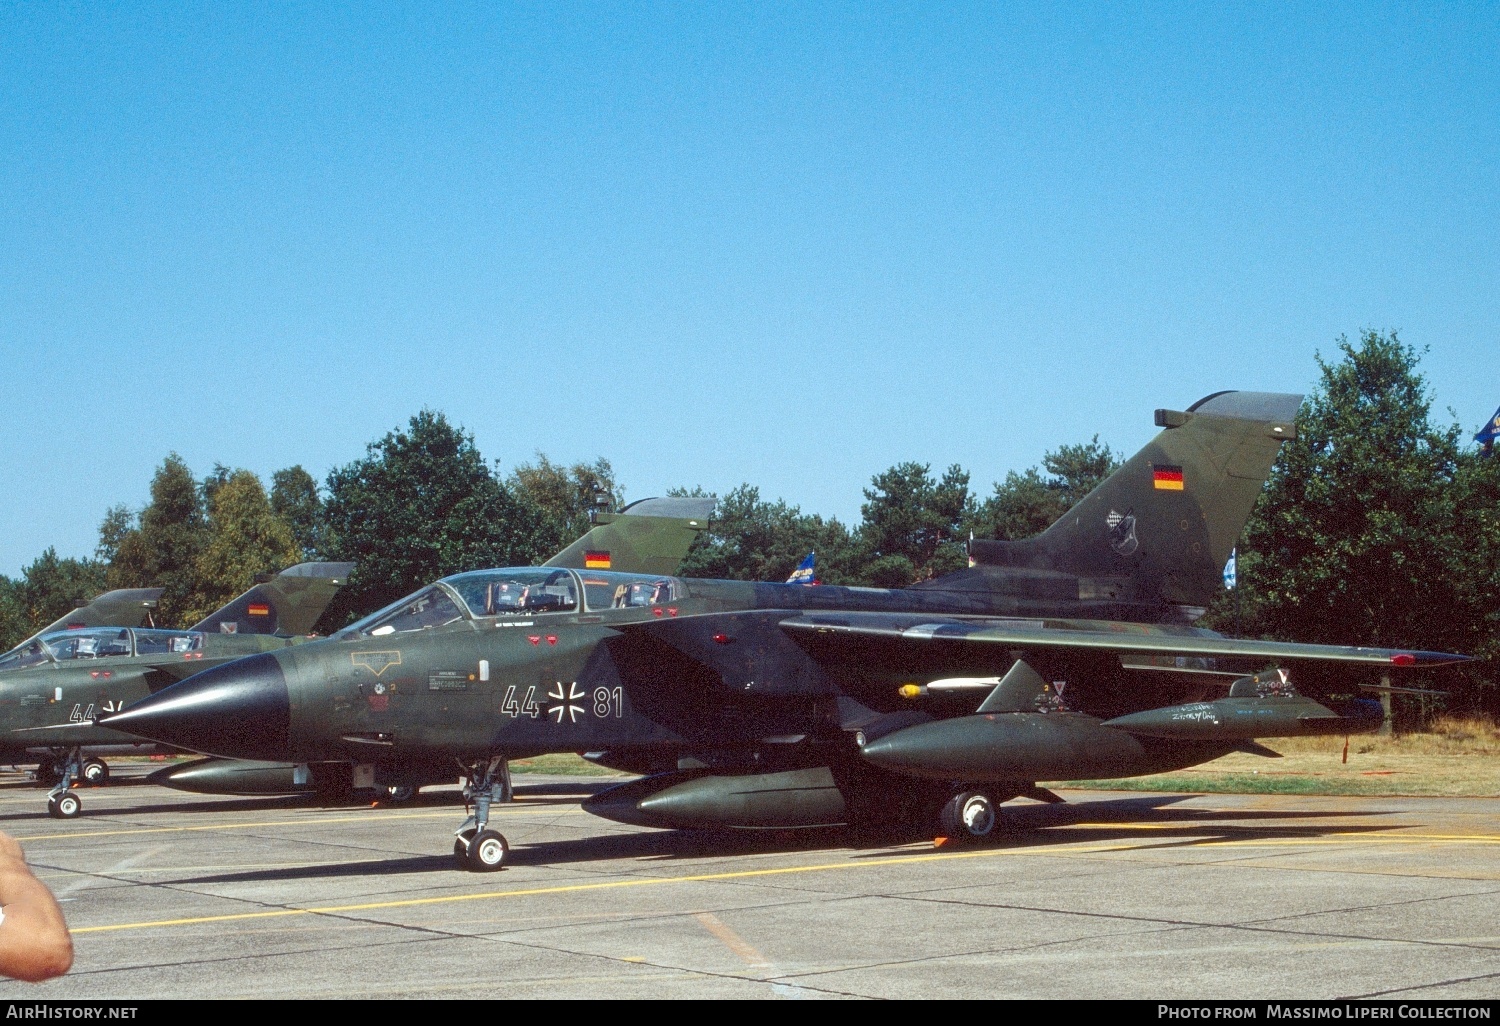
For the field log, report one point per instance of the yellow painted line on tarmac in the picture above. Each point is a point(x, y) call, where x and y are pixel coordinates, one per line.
point(742, 874)
point(310, 821)
point(1474, 838)
point(1041, 850)
point(782, 870)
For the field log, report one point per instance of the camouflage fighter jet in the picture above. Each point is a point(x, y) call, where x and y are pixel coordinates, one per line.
point(53, 686)
point(123, 607)
point(773, 705)
point(649, 536)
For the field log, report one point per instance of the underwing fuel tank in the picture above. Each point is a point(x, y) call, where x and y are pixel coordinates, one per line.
point(1241, 719)
point(231, 776)
point(693, 801)
point(1029, 746)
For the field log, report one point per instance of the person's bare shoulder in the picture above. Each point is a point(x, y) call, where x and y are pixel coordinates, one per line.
point(34, 941)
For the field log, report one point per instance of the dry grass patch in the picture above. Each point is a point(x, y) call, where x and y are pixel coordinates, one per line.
point(565, 765)
point(1456, 756)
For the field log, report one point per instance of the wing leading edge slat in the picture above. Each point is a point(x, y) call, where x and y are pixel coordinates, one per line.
point(1130, 638)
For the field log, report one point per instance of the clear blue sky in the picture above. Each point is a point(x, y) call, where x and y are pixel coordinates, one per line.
point(786, 245)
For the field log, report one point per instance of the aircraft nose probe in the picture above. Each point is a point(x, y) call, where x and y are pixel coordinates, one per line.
point(241, 710)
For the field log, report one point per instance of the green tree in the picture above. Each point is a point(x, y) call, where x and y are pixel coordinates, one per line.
point(295, 499)
point(211, 483)
point(162, 550)
point(910, 529)
point(117, 524)
point(422, 504)
point(560, 499)
point(1078, 469)
point(1357, 539)
point(245, 538)
point(1022, 505)
point(12, 615)
point(750, 539)
point(48, 588)
point(1027, 503)
point(1477, 503)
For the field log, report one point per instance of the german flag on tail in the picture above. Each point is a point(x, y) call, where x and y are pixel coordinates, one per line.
point(596, 560)
point(1167, 479)
point(259, 609)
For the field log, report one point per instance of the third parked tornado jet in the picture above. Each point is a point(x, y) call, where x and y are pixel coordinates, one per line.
point(1068, 655)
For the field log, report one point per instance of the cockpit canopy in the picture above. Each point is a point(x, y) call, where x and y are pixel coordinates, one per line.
point(511, 592)
point(99, 643)
point(524, 591)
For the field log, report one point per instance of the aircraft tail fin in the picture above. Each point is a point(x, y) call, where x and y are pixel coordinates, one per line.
point(123, 607)
point(288, 603)
point(649, 536)
point(1166, 521)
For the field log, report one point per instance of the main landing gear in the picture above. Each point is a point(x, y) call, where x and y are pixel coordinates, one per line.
point(970, 817)
point(477, 847)
point(95, 772)
point(973, 815)
point(62, 803)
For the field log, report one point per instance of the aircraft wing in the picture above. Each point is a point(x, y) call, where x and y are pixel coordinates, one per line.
point(1107, 637)
point(651, 536)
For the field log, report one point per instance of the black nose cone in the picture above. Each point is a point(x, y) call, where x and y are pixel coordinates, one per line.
point(240, 710)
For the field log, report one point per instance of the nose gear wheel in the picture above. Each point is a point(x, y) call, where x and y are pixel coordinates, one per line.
point(64, 806)
point(476, 847)
point(487, 851)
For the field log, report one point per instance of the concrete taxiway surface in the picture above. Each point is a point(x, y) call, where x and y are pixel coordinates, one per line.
point(1111, 896)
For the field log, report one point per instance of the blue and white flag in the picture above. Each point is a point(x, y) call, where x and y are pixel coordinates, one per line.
point(1489, 433)
point(1231, 570)
point(804, 572)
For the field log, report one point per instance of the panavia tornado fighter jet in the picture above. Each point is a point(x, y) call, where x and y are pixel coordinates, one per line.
point(1068, 655)
point(649, 536)
point(54, 686)
point(123, 607)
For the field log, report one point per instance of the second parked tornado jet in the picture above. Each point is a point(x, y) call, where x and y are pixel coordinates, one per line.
point(123, 607)
point(54, 686)
point(1068, 655)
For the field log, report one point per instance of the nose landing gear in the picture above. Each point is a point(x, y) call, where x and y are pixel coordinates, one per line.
point(477, 847)
point(62, 803)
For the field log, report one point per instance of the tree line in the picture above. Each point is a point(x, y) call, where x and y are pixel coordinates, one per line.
point(1378, 526)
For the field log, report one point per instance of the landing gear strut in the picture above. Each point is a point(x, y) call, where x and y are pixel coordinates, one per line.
point(477, 847)
point(62, 803)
